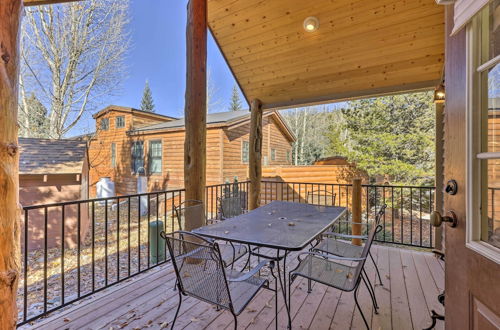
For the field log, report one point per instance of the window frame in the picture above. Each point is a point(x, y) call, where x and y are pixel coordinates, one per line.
point(273, 154)
point(243, 142)
point(134, 157)
point(122, 121)
point(475, 137)
point(150, 156)
point(104, 127)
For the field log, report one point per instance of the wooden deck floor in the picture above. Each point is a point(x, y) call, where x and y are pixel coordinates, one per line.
point(411, 282)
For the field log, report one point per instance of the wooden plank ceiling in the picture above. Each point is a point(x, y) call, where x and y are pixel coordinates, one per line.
point(361, 48)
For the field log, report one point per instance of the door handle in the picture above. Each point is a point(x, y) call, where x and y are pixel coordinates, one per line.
point(437, 219)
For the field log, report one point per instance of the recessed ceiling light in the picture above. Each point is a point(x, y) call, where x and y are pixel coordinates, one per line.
point(311, 24)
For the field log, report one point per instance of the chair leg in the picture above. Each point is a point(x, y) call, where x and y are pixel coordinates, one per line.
point(371, 287)
point(177, 311)
point(359, 307)
point(235, 322)
point(372, 294)
point(376, 268)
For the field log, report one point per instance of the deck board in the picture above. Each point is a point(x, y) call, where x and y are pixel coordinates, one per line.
point(411, 282)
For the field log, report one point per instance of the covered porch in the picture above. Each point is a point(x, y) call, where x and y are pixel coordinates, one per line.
point(355, 49)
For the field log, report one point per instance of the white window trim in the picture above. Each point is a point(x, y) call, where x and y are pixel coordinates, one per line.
point(473, 140)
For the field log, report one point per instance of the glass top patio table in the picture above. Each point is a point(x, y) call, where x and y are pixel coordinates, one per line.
point(277, 225)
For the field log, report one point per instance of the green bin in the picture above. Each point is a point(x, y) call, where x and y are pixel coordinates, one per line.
point(156, 243)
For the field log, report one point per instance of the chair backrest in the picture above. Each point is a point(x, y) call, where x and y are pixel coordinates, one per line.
point(198, 267)
point(190, 209)
point(321, 197)
point(368, 244)
point(231, 206)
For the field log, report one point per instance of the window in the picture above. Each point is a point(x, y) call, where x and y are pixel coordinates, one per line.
point(105, 124)
point(288, 156)
point(273, 154)
point(113, 154)
point(154, 157)
point(120, 122)
point(483, 195)
point(138, 157)
point(245, 147)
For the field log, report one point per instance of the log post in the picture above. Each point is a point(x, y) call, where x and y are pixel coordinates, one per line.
point(195, 110)
point(255, 156)
point(10, 19)
point(356, 209)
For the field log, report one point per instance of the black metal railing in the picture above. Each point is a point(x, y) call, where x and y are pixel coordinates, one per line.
point(406, 220)
point(74, 249)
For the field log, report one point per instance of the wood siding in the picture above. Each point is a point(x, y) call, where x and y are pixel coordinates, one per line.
point(273, 138)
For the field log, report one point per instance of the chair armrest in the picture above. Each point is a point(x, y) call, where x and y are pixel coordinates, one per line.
point(249, 274)
point(328, 256)
point(353, 223)
point(331, 233)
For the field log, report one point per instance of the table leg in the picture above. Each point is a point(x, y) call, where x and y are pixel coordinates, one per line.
point(283, 285)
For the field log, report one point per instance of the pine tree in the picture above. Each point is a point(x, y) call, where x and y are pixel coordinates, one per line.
point(33, 119)
point(147, 103)
point(235, 104)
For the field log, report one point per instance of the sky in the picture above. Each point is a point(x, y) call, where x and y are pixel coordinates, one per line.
point(158, 52)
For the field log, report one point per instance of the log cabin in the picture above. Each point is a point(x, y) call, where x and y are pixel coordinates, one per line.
point(130, 142)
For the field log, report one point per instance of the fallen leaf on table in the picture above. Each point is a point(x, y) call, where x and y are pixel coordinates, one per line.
point(194, 319)
point(163, 325)
point(66, 320)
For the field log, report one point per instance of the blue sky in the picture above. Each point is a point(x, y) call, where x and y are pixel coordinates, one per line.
point(158, 29)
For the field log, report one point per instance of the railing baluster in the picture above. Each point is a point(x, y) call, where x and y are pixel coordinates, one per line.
point(420, 202)
point(138, 234)
point(45, 256)
point(106, 242)
point(26, 249)
point(128, 236)
point(93, 246)
point(118, 239)
point(78, 244)
point(63, 236)
point(149, 230)
point(411, 216)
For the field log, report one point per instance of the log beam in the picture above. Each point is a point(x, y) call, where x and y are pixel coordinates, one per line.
point(356, 209)
point(195, 111)
point(10, 19)
point(28, 3)
point(255, 156)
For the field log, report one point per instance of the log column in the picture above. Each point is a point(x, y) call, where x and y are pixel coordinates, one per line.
point(356, 209)
point(195, 111)
point(10, 18)
point(255, 156)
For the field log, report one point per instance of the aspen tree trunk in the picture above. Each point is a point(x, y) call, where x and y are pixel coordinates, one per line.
point(10, 18)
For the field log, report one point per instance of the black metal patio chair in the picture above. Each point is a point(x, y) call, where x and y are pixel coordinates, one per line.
point(321, 197)
point(332, 242)
point(231, 206)
point(202, 274)
point(230, 252)
point(338, 272)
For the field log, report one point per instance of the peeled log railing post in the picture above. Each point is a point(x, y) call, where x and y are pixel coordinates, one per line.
point(255, 156)
point(195, 146)
point(10, 18)
point(356, 209)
